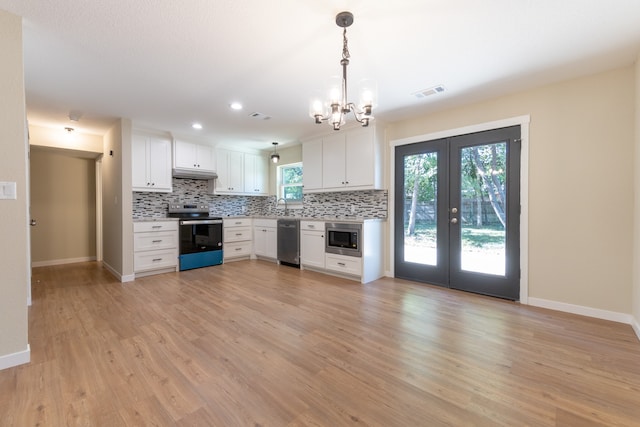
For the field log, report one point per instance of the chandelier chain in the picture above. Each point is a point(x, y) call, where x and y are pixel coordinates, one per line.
point(345, 46)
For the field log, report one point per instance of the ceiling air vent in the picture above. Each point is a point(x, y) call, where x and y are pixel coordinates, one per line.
point(259, 116)
point(430, 91)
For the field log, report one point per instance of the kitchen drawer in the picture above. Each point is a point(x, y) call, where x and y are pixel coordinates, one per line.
point(237, 249)
point(154, 241)
point(145, 226)
point(152, 260)
point(265, 222)
point(236, 222)
point(344, 264)
point(236, 234)
point(312, 225)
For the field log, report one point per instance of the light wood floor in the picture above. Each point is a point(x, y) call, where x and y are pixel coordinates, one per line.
point(255, 344)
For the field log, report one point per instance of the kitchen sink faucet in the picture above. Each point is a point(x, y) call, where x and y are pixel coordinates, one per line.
point(286, 210)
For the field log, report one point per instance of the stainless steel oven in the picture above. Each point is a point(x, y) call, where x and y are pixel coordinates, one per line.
point(343, 238)
point(200, 236)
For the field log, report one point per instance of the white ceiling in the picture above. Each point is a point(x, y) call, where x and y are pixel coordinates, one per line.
point(167, 63)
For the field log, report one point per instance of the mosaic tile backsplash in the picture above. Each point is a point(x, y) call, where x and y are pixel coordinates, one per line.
point(360, 204)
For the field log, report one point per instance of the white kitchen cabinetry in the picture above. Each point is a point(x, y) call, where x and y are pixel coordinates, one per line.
point(237, 238)
point(255, 174)
point(151, 163)
point(230, 170)
point(312, 244)
point(312, 164)
point(265, 242)
point(155, 247)
point(188, 156)
point(348, 160)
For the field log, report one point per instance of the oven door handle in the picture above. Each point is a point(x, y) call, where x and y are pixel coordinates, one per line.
point(201, 222)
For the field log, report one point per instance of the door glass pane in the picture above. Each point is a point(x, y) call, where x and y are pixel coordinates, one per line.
point(483, 208)
point(420, 208)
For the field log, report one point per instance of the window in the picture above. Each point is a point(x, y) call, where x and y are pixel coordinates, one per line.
point(290, 182)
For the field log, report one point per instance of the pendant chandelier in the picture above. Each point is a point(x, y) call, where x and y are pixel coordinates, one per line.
point(336, 107)
point(275, 157)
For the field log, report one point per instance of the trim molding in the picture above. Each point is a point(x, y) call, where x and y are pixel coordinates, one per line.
point(636, 326)
point(62, 261)
point(613, 316)
point(120, 277)
point(523, 121)
point(15, 359)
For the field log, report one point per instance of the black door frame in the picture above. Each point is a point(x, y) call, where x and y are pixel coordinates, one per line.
point(523, 121)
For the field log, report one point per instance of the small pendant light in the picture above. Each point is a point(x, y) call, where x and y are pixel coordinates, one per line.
point(275, 157)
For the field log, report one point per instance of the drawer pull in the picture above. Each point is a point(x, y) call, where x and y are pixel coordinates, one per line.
point(156, 226)
point(342, 264)
point(311, 226)
point(238, 234)
point(238, 249)
point(157, 259)
point(156, 241)
point(238, 222)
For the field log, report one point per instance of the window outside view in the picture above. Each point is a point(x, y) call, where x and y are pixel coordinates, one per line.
point(483, 208)
point(290, 178)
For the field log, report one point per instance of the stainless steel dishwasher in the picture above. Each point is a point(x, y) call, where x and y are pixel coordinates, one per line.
point(289, 241)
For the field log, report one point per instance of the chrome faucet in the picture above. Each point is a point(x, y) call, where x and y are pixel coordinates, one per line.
point(286, 210)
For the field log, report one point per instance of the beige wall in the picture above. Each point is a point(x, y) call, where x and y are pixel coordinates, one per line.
point(75, 143)
point(117, 217)
point(580, 183)
point(636, 234)
point(63, 202)
point(14, 280)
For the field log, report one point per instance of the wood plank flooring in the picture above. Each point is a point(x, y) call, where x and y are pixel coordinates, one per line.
point(254, 344)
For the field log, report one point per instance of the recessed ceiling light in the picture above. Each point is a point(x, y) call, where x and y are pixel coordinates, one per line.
point(235, 106)
point(196, 126)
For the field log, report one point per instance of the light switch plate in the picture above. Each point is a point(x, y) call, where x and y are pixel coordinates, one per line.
point(8, 190)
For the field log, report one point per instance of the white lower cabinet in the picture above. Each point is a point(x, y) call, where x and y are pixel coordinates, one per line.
point(312, 244)
point(344, 264)
point(155, 247)
point(265, 242)
point(237, 237)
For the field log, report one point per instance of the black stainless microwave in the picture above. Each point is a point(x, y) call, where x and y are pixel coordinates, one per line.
point(343, 238)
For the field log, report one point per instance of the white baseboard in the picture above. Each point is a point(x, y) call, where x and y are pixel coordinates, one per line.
point(120, 277)
point(61, 261)
point(636, 326)
point(15, 359)
point(582, 310)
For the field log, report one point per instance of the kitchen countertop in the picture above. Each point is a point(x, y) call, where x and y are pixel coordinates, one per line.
point(149, 219)
point(347, 219)
point(353, 219)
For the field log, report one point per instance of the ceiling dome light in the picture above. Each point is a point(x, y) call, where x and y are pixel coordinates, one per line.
point(196, 126)
point(235, 106)
point(275, 157)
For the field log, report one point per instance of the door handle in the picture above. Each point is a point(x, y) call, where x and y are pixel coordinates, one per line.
point(454, 220)
point(32, 223)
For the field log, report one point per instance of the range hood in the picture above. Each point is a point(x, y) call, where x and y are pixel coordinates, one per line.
point(193, 173)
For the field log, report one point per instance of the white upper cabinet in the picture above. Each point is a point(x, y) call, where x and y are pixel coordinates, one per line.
point(312, 165)
point(230, 169)
point(151, 163)
point(347, 160)
point(255, 174)
point(193, 156)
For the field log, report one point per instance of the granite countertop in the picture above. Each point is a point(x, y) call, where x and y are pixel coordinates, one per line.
point(150, 219)
point(353, 219)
